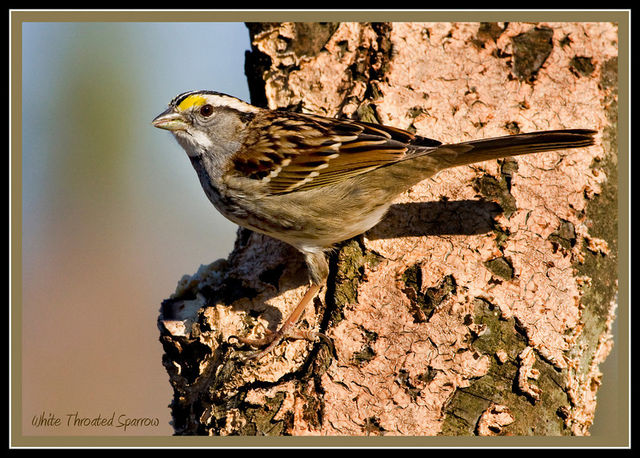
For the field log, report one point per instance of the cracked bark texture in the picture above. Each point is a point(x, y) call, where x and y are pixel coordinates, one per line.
point(482, 304)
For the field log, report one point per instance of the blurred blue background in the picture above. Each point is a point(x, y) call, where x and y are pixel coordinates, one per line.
point(113, 213)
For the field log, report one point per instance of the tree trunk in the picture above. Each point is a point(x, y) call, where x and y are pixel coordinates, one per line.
point(483, 302)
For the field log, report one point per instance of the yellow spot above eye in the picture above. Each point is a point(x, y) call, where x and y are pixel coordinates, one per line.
point(192, 100)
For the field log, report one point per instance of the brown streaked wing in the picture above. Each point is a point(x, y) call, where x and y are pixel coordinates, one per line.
point(299, 152)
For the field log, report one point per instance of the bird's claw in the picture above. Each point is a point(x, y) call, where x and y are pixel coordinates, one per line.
point(272, 339)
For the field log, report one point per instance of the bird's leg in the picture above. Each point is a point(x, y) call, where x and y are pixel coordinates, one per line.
point(318, 270)
point(286, 329)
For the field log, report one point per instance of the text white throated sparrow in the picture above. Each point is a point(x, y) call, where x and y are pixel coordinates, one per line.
point(313, 181)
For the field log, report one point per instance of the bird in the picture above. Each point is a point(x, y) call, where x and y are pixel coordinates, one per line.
point(313, 181)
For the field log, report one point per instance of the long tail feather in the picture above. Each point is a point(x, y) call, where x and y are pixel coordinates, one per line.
point(514, 145)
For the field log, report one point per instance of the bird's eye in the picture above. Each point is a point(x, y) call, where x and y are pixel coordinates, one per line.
point(206, 110)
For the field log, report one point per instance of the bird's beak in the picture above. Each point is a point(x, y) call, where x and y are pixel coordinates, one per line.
point(170, 120)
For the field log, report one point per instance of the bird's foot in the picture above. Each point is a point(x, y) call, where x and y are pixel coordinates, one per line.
point(272, 339)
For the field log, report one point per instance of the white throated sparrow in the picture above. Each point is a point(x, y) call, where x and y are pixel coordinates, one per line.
point(313, 181)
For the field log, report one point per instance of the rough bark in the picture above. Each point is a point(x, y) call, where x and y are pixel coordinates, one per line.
point(482, 304)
